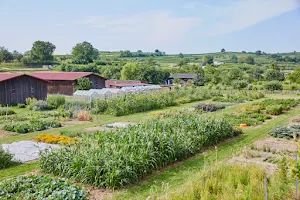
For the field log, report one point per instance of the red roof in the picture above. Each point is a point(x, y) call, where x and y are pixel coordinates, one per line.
point(8, 76)
point(62, 76)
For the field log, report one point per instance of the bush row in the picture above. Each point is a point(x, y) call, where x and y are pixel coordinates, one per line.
point(27, 127)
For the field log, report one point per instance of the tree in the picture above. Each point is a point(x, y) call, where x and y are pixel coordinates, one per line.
point(294, 77)
point(151, 61)
point(182, 62)
point(134, 71)
point(234, 59)
point(84, 53)
point(112, 72)
point(42, 52)
point(231, 74)
point(274, 75)
point(17, 56)
point(176, 81)
point(83, 83)
point(130, 71)
point(258, 52)
point(5, 55)
point(273, 85)
point(181, 55)
point(200, 79)
point(244, 52)
point(239, 84)
point(223, 50)
point(248, 59)
point(208, 59)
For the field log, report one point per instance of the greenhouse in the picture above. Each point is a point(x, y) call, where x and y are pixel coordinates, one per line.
point(85, 95)
point(108, 93)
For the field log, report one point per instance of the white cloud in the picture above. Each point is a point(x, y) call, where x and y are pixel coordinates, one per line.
point(245, 13)
point(150, 27)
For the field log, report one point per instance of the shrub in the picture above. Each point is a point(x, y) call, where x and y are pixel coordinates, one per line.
point(287, 132)
point(54, 139)
point(21, 105)
point(285, 103)
point(36, 125)
point(6, 159)
point(55, 101)
point(100, 106)
point(39, 105)
point(84, 116)
point(7, 111)
point(41, 187)
point(273, 85)
point(126, 155)
point(83, 83)
point(274, 110)
point(29, 100)
point(239, 84)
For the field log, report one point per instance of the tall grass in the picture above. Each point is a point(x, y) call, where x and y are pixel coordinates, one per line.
point(130, 104)
point(234, 181)
point(126, 155)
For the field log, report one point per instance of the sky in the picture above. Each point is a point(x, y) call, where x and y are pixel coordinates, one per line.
point(172, 26)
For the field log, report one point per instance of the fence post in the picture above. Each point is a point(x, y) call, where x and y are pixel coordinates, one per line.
point(297, 181)
point(266, 188)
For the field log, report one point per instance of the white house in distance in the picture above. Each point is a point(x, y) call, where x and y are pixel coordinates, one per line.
point(218, 63)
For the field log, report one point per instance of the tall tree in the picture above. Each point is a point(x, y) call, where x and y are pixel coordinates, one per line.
point(84, 53)
point(208, 59)
point(42, 52)
point(5, 55)
point(17, 56)
point(234, 59)
point(274, 75)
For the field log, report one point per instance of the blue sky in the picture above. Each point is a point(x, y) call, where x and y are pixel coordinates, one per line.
point(173, 26)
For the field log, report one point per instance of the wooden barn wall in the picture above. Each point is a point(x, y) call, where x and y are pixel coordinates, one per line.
point(16, 90)
point(97, 81)
point(61, 87)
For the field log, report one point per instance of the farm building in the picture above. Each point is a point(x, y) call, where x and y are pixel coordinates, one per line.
point(15, 88)
point(124, 83)
point(65, 82)
point(183, 78)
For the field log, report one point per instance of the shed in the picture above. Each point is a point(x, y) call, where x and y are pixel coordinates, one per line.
point(183, 78)
point(16, 87)
point(65, 82)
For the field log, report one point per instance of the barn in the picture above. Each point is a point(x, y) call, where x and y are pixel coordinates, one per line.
point(16, 87)
point(65, 82)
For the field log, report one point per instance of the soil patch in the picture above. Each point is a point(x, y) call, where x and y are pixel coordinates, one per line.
point(276, 144)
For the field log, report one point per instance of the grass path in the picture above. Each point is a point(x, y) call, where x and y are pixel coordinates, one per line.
point(177, 175)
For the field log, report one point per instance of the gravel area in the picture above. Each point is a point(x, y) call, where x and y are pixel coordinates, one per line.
point(25, 151)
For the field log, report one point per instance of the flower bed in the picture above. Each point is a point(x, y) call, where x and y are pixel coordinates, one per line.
point(55, 139)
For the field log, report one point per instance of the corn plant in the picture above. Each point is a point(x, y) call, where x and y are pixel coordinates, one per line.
point(126, 155)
